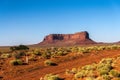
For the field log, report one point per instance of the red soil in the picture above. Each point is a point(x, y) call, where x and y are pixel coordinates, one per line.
point(35, 70)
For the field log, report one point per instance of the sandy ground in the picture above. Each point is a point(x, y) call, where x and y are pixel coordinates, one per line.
point(36, 69)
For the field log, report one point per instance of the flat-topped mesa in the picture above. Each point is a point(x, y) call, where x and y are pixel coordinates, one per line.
point(77, 38)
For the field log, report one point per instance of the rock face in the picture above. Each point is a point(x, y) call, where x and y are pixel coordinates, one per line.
point(67, 39)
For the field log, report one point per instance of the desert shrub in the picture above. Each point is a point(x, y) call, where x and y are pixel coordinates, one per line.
point(17, 55)
point(114, 73)
point(74, 70)
point(107, 61)
point(80, 74)
point(106, 77)
point(49, 63)
point(13, 48)
point(114, 47)
point(32, 58)
point(89, 67)
point(74, 49)
point(46, 56)
point(100, 66)
point(22, 53)
point(90, 73)
point(101, 48)
point(60, 53)
point(5, 56)
point(29, 53)
point(36, 52)
point(83, 50)
point(16, 62)
point(104, 66)
point(65, 52)
point(104, 69)
point(67, 71)
point(53, 55)
point(51, 77)
point(84, 72)
point(20, 47)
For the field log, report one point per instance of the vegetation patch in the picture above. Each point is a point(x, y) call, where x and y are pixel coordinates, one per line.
point(101, 71)
point(50, 63)
point(5, 56)
point(51, 77)
point(16, 62)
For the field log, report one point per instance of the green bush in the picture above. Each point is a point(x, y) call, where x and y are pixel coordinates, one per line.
point(32, 58)
point(74, 70)
point(37, 52)
point(16, 62)
point(22, 53)
point(114, 73)
point(60, 53)
point(106, 61)
point(84, 73)
point(5, 56)
point(106, 77)
point(104, 69)
point(18, 55)
point(104, 66)
point(50, 63)
point(20, 47)
point(80, 74)
point(46, 56)
point(51, 77)
point(89, 67)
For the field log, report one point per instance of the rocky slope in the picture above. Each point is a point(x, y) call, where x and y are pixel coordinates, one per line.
point(67, 39)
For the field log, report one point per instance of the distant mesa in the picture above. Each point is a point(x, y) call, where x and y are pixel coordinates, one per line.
point(78, 38)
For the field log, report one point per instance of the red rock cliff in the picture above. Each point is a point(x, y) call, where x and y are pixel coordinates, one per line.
point(68, 39)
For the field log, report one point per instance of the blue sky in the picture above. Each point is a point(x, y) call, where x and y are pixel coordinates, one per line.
point(28, 21)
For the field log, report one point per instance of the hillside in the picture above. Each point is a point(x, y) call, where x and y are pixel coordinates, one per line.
point(80, 38)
